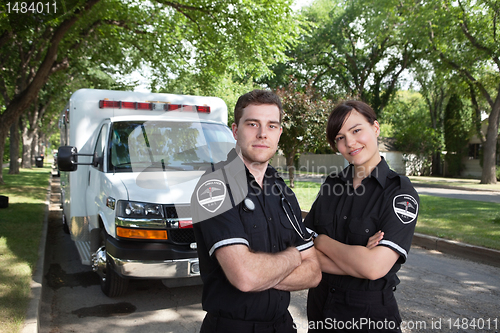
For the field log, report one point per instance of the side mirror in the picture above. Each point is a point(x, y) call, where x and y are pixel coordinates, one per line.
point(67, 158)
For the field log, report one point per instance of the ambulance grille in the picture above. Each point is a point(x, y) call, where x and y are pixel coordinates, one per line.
point(178, 211)
point(181, 236)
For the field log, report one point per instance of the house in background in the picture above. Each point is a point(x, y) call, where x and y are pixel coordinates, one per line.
point(472, 162)
point(472, 167)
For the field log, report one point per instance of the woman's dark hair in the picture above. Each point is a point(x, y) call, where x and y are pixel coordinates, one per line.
point(340, 113)
point(256, 97)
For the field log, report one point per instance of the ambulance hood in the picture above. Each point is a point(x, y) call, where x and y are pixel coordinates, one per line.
point(168, 187)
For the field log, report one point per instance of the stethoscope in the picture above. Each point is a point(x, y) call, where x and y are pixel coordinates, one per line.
point(249, 205)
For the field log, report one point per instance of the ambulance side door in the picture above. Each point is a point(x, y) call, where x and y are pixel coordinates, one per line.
point(95, 197)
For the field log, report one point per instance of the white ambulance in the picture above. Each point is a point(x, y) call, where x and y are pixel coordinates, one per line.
point(129, 162)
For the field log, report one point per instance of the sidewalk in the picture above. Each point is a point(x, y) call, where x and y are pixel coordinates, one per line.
point(454, 183)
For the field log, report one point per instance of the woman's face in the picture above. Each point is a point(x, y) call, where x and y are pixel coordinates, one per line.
point(357, 141)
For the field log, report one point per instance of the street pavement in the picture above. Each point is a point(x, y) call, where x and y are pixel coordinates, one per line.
point(437, 289)
point(455, 193)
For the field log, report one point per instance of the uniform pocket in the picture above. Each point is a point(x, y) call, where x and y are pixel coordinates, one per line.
point(360, 230)
point(256, 228)
point(324, 224)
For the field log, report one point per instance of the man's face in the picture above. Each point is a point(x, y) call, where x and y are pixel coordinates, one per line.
point(258, 133)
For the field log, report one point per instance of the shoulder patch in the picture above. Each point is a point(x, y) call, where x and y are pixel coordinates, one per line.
point(211, 194)
point(405, 207)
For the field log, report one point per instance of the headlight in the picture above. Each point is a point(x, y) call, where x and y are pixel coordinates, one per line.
point(141, 220)
point(133, 209)
point(133, 214)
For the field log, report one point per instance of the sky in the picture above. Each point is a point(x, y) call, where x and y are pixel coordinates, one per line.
point(301, 3)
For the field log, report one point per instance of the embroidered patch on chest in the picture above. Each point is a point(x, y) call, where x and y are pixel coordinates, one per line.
point(211, 194)
point(406, 208)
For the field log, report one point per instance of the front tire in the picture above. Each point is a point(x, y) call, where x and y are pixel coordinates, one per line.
point(112, 284)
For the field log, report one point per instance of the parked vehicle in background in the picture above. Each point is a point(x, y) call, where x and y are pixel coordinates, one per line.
point(129, 162)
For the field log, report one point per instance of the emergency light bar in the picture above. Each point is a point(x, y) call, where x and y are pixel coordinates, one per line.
point(105, 104)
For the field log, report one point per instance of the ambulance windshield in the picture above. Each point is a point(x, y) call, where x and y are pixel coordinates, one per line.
point(140, 146)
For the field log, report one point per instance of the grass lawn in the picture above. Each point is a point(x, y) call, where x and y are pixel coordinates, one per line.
point(20, 231)
point(471, 222)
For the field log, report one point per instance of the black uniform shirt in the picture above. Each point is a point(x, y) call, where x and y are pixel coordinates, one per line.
point(385, 201)
point(266, 228)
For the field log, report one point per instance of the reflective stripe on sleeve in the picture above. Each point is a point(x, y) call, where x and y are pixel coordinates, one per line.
point(394, 246)
point(305, 246)
point(229, 241)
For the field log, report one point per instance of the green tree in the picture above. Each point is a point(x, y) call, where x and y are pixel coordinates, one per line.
point(119, 36)
point(304, 118)
point(464, 35)
point(224, 86)
point(358, 49)
point(411, 127)
point(457, 126)
point(434, 89)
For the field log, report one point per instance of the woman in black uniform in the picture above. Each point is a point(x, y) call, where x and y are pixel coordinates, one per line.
point(366, 199)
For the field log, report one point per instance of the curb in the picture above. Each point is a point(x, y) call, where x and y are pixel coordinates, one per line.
point(462, 250)
point(31, 321)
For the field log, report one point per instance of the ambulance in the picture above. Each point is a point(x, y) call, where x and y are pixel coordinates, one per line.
point(129, 162)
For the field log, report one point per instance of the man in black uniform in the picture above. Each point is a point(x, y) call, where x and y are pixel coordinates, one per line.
point(252, 246)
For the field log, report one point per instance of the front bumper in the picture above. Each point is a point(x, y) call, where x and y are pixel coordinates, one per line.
point(152, 260)
point(180, 268)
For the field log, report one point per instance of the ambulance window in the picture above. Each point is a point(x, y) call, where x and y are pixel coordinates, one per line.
point(99, 148)
point(150, 146)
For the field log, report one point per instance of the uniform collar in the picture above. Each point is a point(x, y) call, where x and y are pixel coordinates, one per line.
point(236, 165)
point(380, 173)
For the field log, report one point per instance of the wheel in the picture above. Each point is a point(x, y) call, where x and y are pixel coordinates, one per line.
point(65, 224)
point(112, 284)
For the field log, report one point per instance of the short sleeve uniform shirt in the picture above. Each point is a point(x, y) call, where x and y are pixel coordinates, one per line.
point(385, 201)
point(241, 212)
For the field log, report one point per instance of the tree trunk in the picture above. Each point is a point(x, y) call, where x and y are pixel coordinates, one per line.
point(488, 175)
point(291, 168)
point(27, 140)
point(23, 100)
point(2, 150)
point(436, 164)
point(34, 149)
point(14, 148)
point(42, 144)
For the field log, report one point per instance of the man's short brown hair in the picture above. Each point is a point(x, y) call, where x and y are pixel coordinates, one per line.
point(256, 97)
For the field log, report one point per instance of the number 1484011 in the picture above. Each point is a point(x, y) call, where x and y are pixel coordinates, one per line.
point(31, 7)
